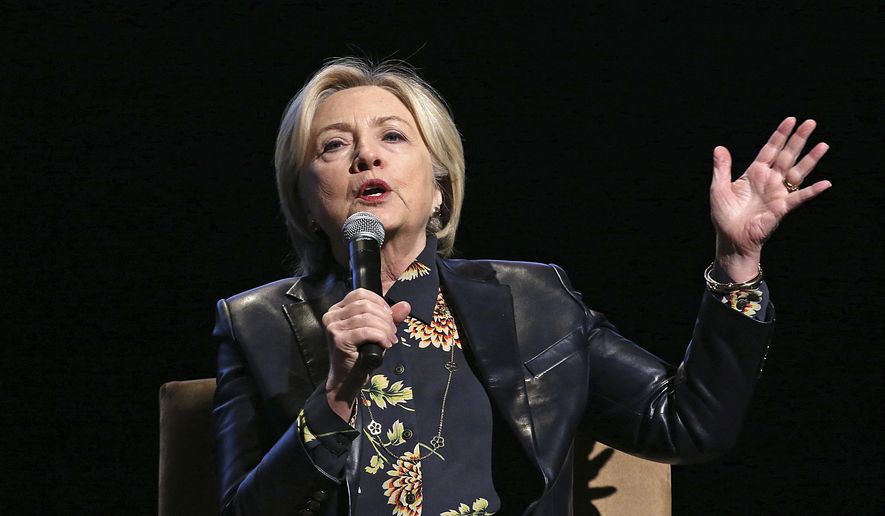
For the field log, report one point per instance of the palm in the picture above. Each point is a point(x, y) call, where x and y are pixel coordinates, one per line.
point(745, 212)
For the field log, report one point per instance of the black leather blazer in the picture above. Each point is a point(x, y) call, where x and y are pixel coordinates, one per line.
point(530, 339)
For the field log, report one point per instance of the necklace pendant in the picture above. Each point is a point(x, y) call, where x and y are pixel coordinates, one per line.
point(374, 427)
point(437, 442)
point(451, 366)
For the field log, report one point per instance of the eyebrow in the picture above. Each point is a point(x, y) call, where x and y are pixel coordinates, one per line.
point(375, 122)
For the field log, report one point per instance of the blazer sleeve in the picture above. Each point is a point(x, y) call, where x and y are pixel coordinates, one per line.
point(692, 412)
point(259, 473)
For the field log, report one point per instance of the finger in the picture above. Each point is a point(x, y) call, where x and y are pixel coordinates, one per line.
point(363, 306)
point(362, 299)
point(797, 198)
point(775, 143)
point(347, 338)
point(355, 302)
point(400, 311)
point(796, 174)
point(362, 336)
point(360, 320)
point(788, 155)
point(721, 168)
point(367, 295)
point(361, 313)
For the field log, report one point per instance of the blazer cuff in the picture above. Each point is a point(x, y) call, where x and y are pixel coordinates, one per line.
point(333, 433)
point(751, 303)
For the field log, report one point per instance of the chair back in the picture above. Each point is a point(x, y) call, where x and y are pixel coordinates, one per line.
point(187, 459)
point(614, 483)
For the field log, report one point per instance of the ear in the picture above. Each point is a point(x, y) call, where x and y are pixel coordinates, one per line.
point(437, 199)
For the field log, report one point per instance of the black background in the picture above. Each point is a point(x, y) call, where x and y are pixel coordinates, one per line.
point(139, 190)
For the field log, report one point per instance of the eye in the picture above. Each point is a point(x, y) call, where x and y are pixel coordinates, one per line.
point(332, 145)
point(393, 136)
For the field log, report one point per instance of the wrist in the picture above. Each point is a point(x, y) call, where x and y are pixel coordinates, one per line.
point(716, 284)
point(341, 396)
point(740, 265)
point(342, 407)
point(739, 268)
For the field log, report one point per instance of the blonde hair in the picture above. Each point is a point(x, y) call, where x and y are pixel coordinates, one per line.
point(293, 149)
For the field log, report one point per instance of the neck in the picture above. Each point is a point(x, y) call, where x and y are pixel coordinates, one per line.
point(396, 256)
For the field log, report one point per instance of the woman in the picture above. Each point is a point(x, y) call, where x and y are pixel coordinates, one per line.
point(489, 366)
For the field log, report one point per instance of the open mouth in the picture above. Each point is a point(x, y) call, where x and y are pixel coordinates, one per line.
point(373, 190)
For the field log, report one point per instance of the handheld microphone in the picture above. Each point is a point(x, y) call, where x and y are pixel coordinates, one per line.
point(364, 235)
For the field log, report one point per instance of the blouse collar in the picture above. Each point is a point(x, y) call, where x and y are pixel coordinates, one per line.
point(419, 284)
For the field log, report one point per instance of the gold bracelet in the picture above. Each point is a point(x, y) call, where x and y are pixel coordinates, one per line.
point(716, 286)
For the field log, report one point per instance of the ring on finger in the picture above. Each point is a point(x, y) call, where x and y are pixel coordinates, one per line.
point(790, 186)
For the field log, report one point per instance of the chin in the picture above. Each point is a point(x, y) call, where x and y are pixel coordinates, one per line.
point(383, 213)
point(393, 219)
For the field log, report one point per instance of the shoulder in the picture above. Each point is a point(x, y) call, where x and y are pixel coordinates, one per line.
point(270, 305)
point(272, 294)
point(254, 324)
point(538, 280)
point(509, 272)
point(545, 308)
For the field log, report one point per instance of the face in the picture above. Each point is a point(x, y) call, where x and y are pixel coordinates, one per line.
point(368, 155)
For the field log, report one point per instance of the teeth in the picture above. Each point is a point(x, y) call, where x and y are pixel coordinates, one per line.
point(373, 191)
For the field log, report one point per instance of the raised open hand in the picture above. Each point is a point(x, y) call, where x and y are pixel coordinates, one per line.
point(745, 212)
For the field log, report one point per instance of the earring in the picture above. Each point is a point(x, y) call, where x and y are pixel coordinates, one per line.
point(434, 225)
point(315, 227)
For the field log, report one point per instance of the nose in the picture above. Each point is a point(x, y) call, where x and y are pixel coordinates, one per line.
point(367, 157)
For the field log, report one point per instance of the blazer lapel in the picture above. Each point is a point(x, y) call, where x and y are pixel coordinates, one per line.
point(311, 301)
point(484, 312)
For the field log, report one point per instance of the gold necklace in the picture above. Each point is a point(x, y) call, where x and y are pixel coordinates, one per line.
point(438, 441)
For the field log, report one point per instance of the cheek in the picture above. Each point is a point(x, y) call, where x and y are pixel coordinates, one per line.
point(320, 194)
point(428, 190)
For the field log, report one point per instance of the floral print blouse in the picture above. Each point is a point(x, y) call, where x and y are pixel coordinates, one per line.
point(426, 419)
point(420, 454)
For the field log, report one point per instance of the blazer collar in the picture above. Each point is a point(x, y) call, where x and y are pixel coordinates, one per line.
point(484, 311)
point(315, 288)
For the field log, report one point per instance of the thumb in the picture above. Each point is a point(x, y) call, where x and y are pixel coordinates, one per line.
point(721, 167)
point(400, 311)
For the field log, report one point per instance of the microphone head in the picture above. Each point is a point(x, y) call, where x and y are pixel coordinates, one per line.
point(362, 225)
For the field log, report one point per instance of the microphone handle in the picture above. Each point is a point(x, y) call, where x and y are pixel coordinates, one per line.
point(365, 272)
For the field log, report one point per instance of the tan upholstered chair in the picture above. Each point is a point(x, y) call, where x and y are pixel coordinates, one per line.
point(617, 484)
point(608, 481)
point(187, 461)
